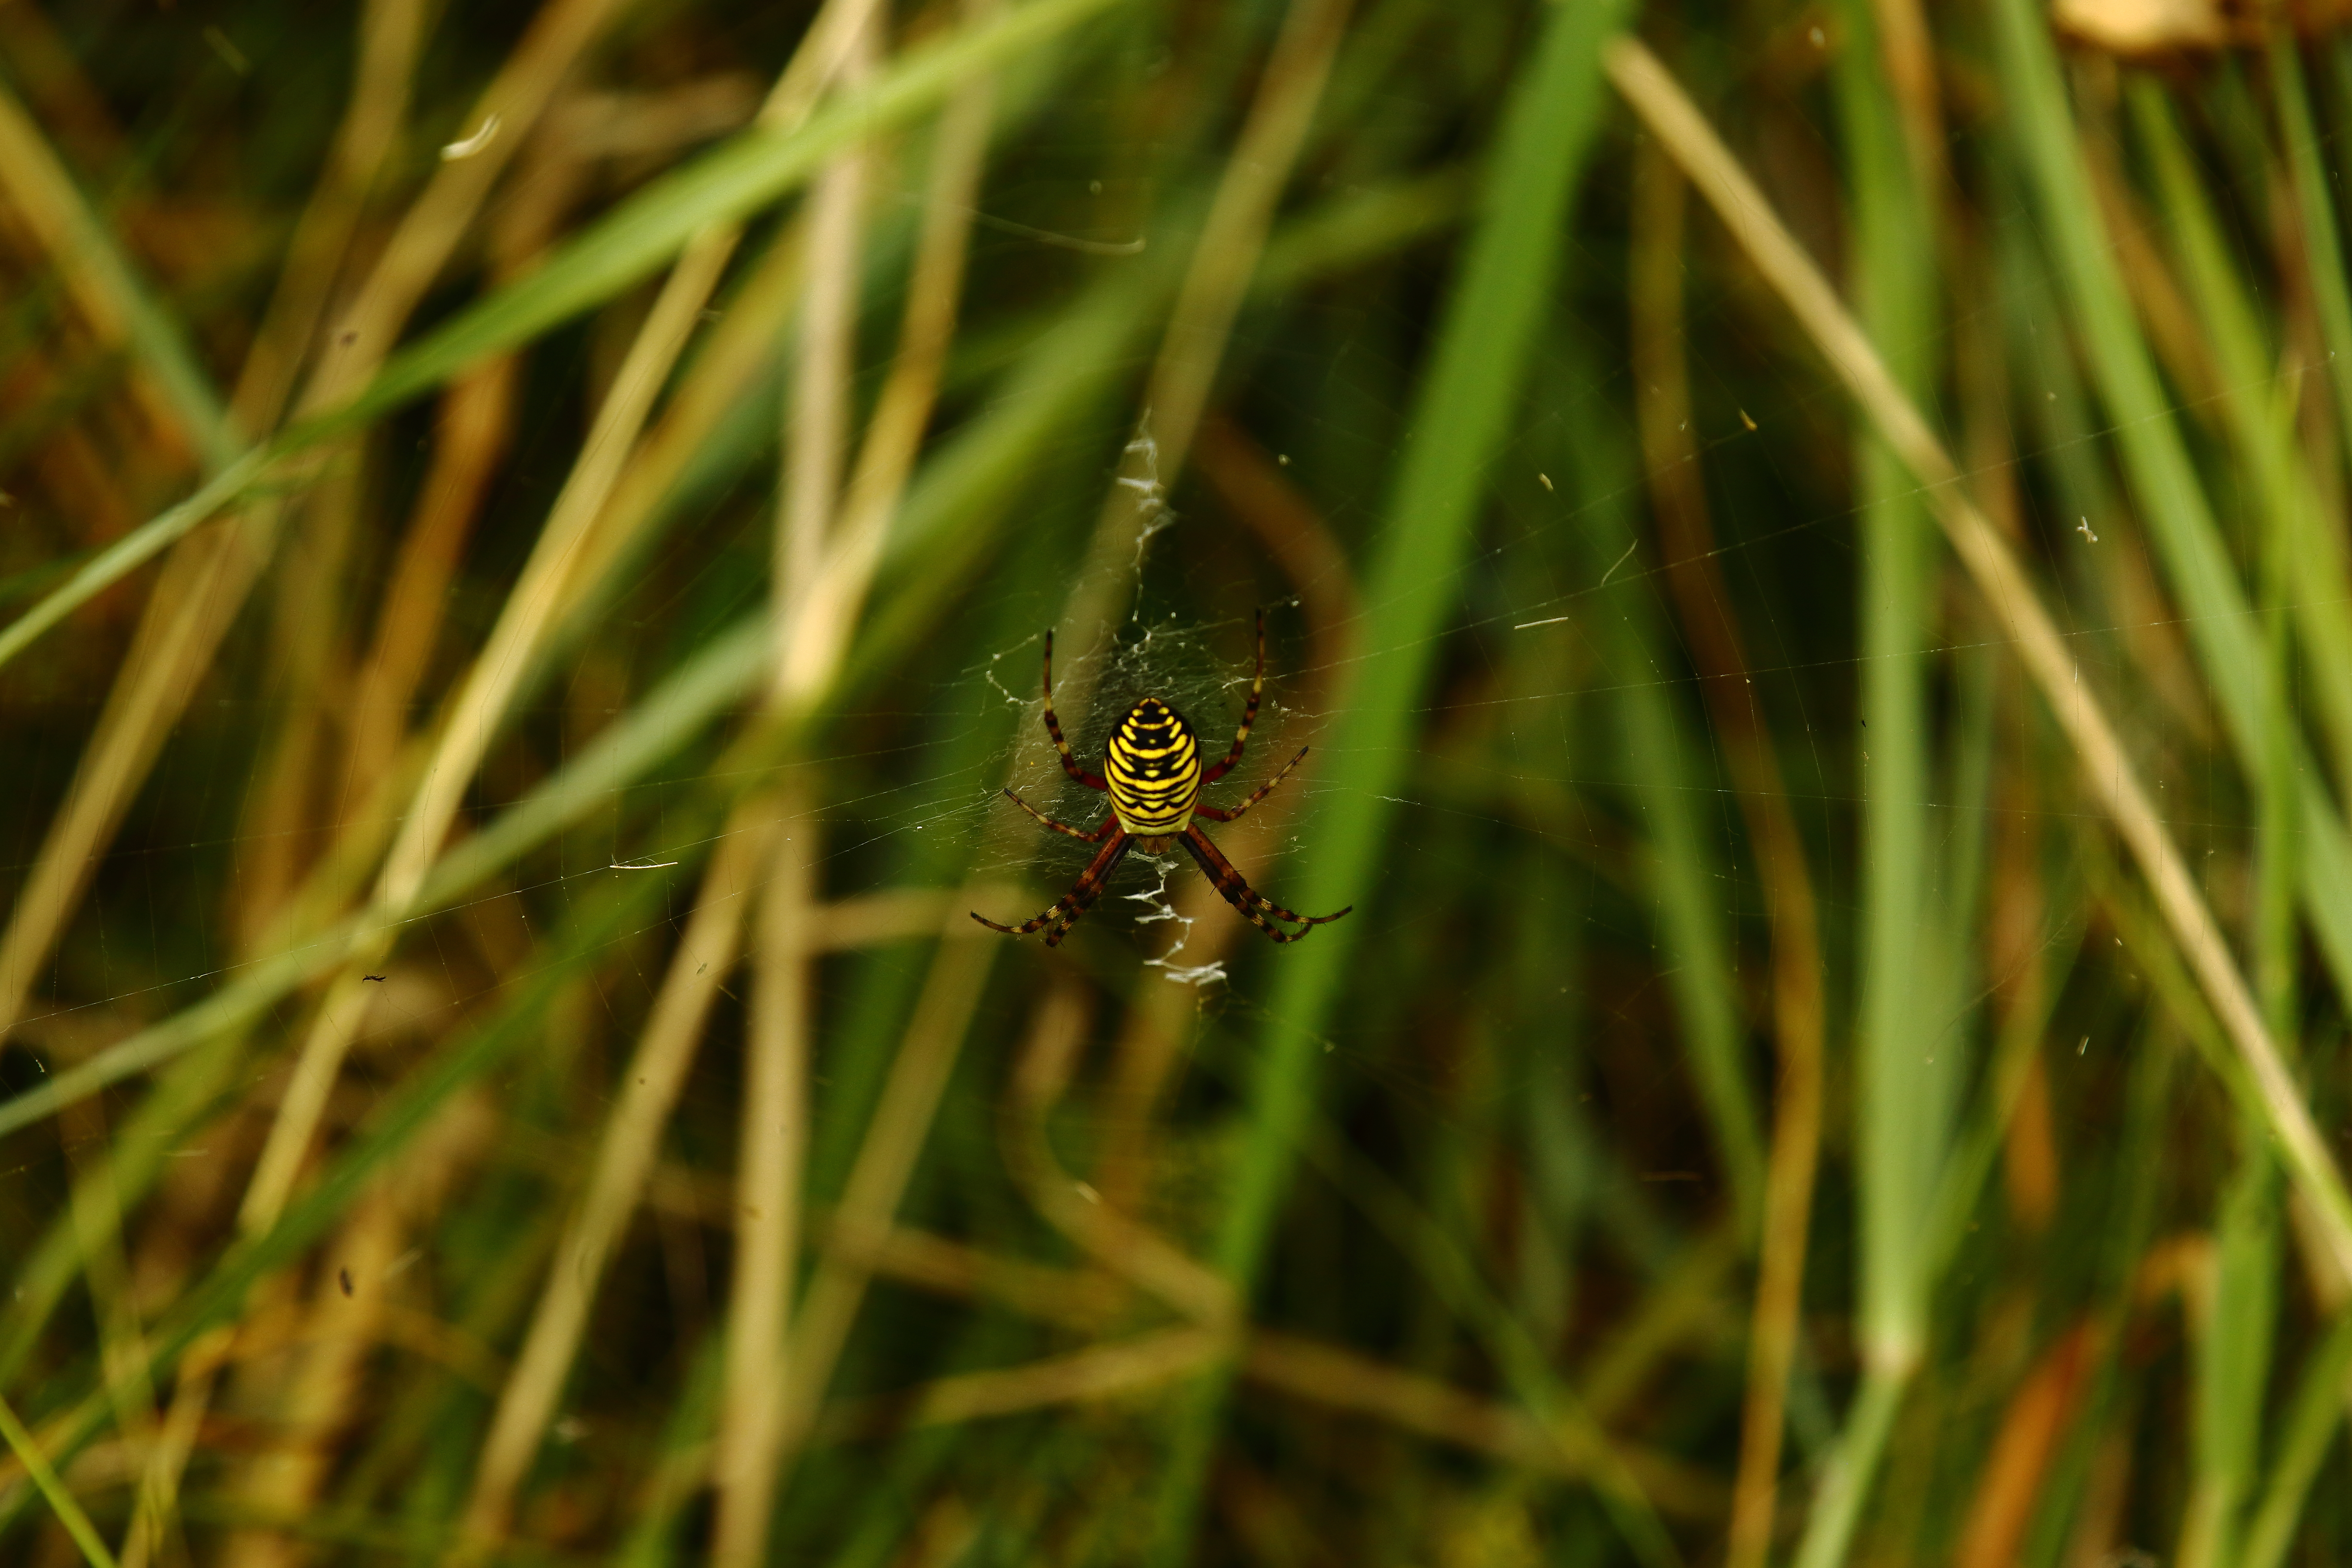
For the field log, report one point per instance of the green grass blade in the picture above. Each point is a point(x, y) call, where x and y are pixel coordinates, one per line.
point(2232, 1357)
point(1668, 791)
point(2171, 497)
point(730, 183)
point(2155, 461)
point(2323, 241)
point(2260, 417)
point(718, 676)
point(2319, 1401)
point(1460, 418)
point(162, 350)
point(1686, 880)
point(600, 920)
point(1854, 1465)
point(1903, 1119)
point(133, 550)
point(61, 1501)
point(724, 186)
point(143, 1142)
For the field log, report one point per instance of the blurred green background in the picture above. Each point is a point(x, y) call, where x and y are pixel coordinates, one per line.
point(526, 534)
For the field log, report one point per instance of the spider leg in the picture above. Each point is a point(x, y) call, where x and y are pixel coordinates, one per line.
point(1054, 727)
point(1254, 905)
point(1097, 836)
point(1056, 921)
point(1213, 814)
point(1249, 712)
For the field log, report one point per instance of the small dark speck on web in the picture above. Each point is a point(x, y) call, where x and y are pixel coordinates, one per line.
point(343, 1277)
point(1670, 1175)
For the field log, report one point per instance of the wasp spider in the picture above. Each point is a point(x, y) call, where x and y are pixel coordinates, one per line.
point(1151, 770)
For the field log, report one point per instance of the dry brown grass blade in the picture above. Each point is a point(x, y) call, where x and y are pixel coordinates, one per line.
point(1711, 632)
point(885, 1164)
point(1128, 1249)
point(1216, 279)
point(60, 92)
point(2024, 1450)
point(476, 417)
point(197, 594)
point(818, 412)
point(770, 1166)
point(816, 634)
point(1290, 529)
point(2014, 604)
point(1234, 237)
point(773, 1152)
point(204, 584)
point(307, 675)
point(433, 226)
point(740, 348)
point(391, 33)
point(506, 659)
point(869, 920)
point(43, 199)
point(204, 581)
point(625, 1158)
point(351, 1311)
point(845, 41)
point(1067, 1298)
point(1097, 1372)
point(1321, 1373)
point(1414, 1402)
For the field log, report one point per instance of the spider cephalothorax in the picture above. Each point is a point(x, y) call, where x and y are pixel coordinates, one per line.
point(1151, 770)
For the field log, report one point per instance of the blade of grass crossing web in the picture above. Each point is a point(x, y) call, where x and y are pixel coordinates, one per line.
point(1461, 414)
point(139, 1150)
point(1903, 1110)
point(743, 175)
point(1903, 1115)
point(1685, 877)
point(61, 1501)
point(2233, 1353)
point(2155, 460)
point(113, 294)
point(1851, 1465)
point(1672, 797)
point(606, 915)
point(2322, 239)
point(2310, 1426)
point(727, 184)
point(2233, 1358)
point(718, 675)
point(2260, 408)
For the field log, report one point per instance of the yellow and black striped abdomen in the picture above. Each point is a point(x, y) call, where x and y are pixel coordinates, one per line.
point(1153, 767)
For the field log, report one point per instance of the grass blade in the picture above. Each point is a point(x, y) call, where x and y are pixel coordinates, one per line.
point(1466, 397)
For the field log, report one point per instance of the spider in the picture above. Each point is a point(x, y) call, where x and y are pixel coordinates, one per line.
point(1153, 764)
